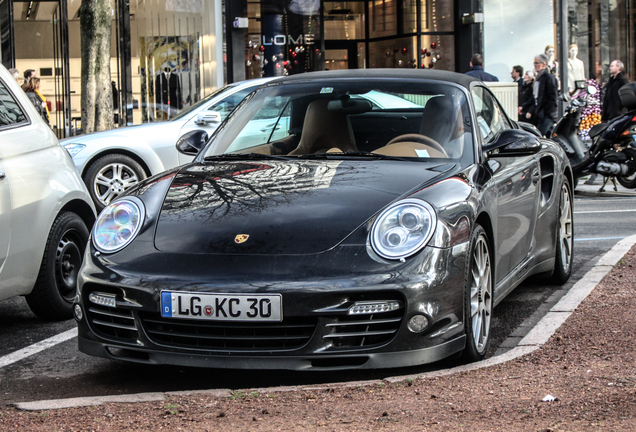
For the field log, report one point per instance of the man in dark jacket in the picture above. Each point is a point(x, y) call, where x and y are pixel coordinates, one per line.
point(477, 69)
point(545, 96)
point(612, 105)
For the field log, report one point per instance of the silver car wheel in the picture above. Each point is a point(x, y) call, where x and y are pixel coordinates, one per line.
point(112, 180)
point(481, 294)
point(565, 228)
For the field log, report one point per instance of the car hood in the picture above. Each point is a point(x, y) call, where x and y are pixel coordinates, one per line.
point(143, 131)
point(279, 207)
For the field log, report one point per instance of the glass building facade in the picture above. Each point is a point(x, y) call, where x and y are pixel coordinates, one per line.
point(155, 44)
point(192, 47)
point(286, 37)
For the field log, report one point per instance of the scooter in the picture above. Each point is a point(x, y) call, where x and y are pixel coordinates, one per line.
point(612, 152)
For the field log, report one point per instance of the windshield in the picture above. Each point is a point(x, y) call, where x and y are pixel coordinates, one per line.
point(350, 118)
point(203, 101)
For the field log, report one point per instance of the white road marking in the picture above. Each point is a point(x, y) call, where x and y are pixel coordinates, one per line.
point(606, 211)
point(37, 347)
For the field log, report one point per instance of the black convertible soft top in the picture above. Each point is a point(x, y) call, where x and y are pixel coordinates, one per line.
point(438, 75)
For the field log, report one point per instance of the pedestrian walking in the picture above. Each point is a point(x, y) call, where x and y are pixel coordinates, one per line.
point(525, 95)
point(517, 76)
point(612, 105)
point(477, 69)
point(544, 93)
point(32, 90)
point(16, 75)
point(28, 74)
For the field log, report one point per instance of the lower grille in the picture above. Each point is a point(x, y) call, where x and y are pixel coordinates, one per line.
point(112, 323)
point(365, 330)
point(292, 333)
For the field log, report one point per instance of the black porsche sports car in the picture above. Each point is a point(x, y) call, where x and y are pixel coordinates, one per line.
point(319, 229)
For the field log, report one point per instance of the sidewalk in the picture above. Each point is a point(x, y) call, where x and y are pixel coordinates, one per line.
point(593, 190)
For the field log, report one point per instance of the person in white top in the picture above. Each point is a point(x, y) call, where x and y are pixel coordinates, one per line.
point(576, 68)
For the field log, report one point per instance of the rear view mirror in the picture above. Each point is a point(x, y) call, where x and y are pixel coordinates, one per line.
point(192, 142)
point(349, 106)
point(205, 117)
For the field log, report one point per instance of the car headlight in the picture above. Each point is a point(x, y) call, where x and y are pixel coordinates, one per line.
point(73, 148)
point(403, 229)
point(118, 224)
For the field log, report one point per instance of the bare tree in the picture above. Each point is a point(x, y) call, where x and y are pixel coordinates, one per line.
point(97, 96)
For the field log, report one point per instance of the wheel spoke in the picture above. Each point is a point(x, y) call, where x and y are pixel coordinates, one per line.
point(101, 179)
point(480, 294)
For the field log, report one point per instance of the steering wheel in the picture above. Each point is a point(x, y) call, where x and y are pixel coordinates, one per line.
point(421, 139)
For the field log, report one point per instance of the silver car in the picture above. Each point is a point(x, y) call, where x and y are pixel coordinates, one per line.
point(113, 161)
point(45, 209)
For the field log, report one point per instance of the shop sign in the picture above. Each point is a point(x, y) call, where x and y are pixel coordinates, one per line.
point(305, 39)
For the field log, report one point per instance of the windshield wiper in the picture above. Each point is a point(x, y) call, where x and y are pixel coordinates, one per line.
point(242, 156)
point(354, 154)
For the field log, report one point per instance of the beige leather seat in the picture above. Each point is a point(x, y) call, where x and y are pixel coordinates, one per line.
point(324, 131)
point(442, 121)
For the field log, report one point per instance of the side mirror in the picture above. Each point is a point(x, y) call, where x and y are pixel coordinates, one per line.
point(529, 127)
point(205, 117)
point(192, 142)
point(513, 142)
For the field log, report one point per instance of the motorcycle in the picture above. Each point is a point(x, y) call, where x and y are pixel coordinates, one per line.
point(612, 152)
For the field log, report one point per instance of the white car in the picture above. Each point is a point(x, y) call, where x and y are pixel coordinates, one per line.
point(45, 210)
point(113, 161)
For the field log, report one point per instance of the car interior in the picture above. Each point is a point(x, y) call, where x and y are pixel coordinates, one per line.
point(342, 124)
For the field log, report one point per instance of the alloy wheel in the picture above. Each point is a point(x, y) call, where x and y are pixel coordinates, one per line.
point(113, 180)
point(565, 228)
point(481, 294)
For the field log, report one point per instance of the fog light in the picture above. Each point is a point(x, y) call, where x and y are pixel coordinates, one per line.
point(418, 323)
point(77, 311)
point(371, 307)
point(103, 299)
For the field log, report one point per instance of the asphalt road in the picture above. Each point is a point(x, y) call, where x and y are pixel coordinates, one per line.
point(62, 372)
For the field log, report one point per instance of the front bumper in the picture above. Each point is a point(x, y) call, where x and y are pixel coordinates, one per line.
point(316, 331)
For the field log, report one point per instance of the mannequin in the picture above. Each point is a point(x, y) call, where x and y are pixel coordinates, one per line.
point(168, 93)
point(576, 68)
point(553, 66)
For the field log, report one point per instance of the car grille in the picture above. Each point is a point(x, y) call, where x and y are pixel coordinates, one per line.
point(364, 330)
point(291, 333)
point(112, 323)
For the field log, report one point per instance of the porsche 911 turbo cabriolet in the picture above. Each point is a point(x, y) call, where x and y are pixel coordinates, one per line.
point(352, 236)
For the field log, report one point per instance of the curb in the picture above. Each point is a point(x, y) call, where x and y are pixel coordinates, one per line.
point(537, 337)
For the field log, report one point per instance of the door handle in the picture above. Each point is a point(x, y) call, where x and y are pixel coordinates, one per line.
point(535, 177)
point(2, 175)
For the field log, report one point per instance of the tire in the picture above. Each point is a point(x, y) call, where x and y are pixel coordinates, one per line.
point(110, 176)
point(56, 286)
point(565, 239)
point(628, 182)
point(478, 297)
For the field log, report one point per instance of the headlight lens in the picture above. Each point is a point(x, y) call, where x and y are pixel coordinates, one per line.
point(118, 224)
point(73, 148)
point(403, 229)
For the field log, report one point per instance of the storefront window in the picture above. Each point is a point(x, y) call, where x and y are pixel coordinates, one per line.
point(284, 38)
point(396, 53)
point(344, 20)
point(166, 38)
point(435, 15)
point(382, 18)
point(438, 52)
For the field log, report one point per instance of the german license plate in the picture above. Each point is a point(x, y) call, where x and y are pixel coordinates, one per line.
point(225, 307)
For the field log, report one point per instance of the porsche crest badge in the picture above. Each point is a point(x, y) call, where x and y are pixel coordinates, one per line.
point(241, 238)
